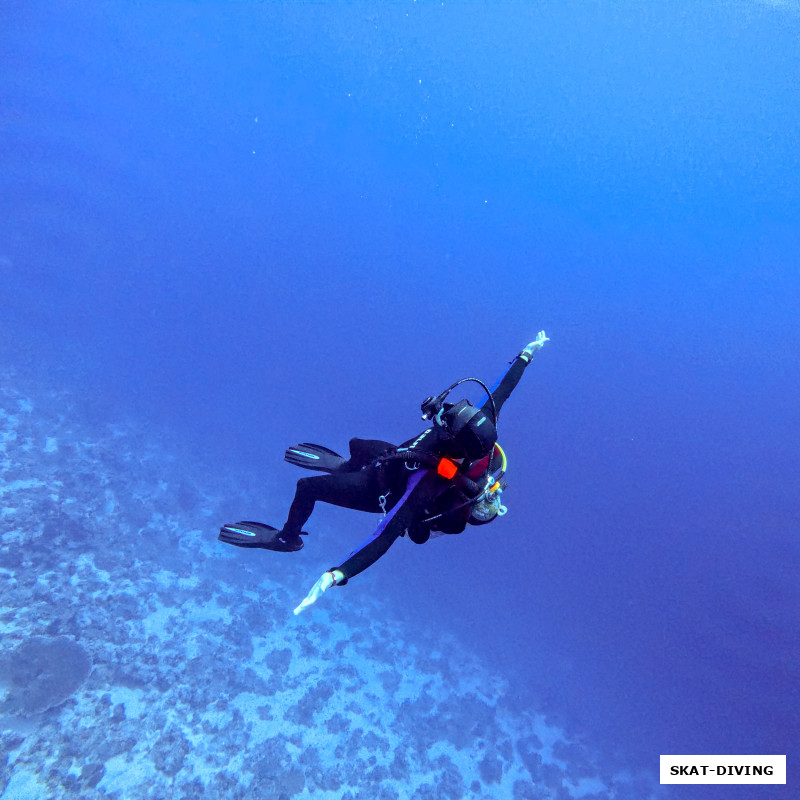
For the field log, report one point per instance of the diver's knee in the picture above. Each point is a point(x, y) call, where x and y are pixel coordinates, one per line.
point(306, 485)
point(419, 534)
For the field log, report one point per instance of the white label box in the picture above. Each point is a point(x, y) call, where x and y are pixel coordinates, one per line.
point(723, 769)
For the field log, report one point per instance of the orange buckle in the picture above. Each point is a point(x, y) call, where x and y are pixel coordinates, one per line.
point(447, 468)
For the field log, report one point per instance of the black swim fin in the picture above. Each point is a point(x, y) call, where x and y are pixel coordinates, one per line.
point(314, 456)
point(257, 534)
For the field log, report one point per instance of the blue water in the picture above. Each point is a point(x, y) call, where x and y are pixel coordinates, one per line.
point(255, 224)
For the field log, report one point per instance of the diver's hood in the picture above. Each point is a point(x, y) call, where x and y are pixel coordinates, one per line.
point(472, 432)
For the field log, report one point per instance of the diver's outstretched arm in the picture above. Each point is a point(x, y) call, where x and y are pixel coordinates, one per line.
point(422, 488)
point(513, 374)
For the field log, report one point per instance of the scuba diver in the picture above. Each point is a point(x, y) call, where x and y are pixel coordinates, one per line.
point(448, 476)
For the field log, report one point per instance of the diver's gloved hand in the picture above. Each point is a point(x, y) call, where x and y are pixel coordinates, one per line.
point(328, 579)
point(536, 344)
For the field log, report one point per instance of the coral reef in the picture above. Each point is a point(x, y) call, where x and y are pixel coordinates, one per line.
point(142, 659)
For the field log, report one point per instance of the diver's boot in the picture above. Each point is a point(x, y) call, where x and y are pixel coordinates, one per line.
point(289, 540)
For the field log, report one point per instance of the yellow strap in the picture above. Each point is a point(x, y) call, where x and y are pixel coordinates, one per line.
point(502, 455)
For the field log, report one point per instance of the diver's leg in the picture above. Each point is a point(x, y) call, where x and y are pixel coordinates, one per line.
point(357, 490)
point(364, 452)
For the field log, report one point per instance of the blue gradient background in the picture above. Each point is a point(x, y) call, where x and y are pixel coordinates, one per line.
point(254, 224)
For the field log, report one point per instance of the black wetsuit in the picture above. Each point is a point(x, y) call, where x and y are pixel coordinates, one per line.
point(367, 483)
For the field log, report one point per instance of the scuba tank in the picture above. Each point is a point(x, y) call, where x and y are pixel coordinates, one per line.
point(478, 509)
point(453, 510)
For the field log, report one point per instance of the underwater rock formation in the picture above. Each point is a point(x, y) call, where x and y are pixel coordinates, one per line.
point(42, 673)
